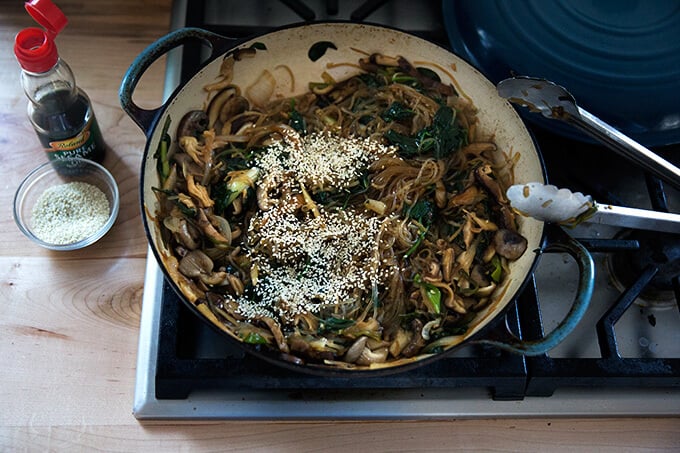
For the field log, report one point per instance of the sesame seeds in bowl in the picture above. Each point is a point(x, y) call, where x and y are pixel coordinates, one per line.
point(66, 204)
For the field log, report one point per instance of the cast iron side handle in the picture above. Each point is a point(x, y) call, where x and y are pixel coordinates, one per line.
point(557, 241)
point(143, 117)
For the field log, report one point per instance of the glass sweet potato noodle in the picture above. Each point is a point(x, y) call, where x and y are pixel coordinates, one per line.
point(361, 224)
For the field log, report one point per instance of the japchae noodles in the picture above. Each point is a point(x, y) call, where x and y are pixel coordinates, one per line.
point(361, 223)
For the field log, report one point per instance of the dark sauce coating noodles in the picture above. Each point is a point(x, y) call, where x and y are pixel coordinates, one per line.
point(362, 223)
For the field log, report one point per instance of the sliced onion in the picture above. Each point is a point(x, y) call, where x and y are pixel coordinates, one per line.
point(262, 90)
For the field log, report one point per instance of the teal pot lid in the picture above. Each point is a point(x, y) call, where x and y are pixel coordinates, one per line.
point(619, 58)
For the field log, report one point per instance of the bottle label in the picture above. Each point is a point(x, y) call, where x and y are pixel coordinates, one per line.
point(87, 144)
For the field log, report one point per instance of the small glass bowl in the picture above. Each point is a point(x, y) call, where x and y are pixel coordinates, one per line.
point(57, 172)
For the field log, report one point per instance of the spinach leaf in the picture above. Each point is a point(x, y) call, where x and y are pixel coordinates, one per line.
point(440, 139)
point(174, 198)
point(397, 112)
point(341, 197)
point(221, 195)
point(408, 146)
point(334, 324)
point(448, 135)
point(371, 80)
point(296, 120)
point(422, 211)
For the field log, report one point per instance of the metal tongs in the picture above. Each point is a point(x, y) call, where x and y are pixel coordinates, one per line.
point(555, 102)
point(550, 204)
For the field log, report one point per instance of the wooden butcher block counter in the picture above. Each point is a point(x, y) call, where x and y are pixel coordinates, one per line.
point(69, 321)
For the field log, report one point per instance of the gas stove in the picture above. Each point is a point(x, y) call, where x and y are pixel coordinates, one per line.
point(622, 359)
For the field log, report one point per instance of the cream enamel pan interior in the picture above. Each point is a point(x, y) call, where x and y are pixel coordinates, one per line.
point(287, 52)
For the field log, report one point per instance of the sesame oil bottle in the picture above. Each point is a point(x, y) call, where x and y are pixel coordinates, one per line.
point(60, 112)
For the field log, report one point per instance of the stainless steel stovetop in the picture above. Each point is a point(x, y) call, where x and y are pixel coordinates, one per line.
point(566, 382)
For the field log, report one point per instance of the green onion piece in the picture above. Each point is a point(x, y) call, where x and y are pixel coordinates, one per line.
point(255, 338)
point(240, 182)
point(434, 294)
point(497, 269)
point(416, 245)
point(162, 161)
point(334, 324)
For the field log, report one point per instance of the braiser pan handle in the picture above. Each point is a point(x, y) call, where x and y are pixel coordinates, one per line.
point(558, 241)
point(143, 117)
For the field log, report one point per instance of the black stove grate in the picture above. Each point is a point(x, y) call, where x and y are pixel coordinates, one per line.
point(193, 356)
point(547, 374)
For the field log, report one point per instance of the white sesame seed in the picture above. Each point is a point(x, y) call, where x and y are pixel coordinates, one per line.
point(67, 213)
point(309, 262)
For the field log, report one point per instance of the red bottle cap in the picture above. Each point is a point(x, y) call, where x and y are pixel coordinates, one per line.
point(34, 47)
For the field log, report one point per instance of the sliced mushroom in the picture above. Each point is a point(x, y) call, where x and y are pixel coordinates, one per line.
point(447, 264)
point(440, 195)
point(192, 124)
point(199, 193)
point(222, 226)
point(368, 356)
point(298, 344)
point(210, 231)
point(195, 263)
point(401, 339)
point(187, 165)
point(429, 327)
point(278, 334)
point(187, 235)
point(508, 218)
point(236, 284)
point(184, 233)
point(304, 345)
point(214, 278)
point(483, 175)
point(467, 197)
point(198, 265)
point(417, 341)
point(264, 202)
point(232, 107)
point(216, 104)
point(226, 75)
point(354, 352)
point(478, 276)
point(428, 82)
point(509, 244)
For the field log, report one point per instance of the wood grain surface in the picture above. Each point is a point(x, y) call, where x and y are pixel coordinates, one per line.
point(69, 321)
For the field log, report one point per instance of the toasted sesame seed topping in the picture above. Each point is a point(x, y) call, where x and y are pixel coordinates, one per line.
point(321, 161)
point(306, 261)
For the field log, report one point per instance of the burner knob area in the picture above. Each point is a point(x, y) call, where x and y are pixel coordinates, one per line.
point(663, 250)
point(660, 250)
